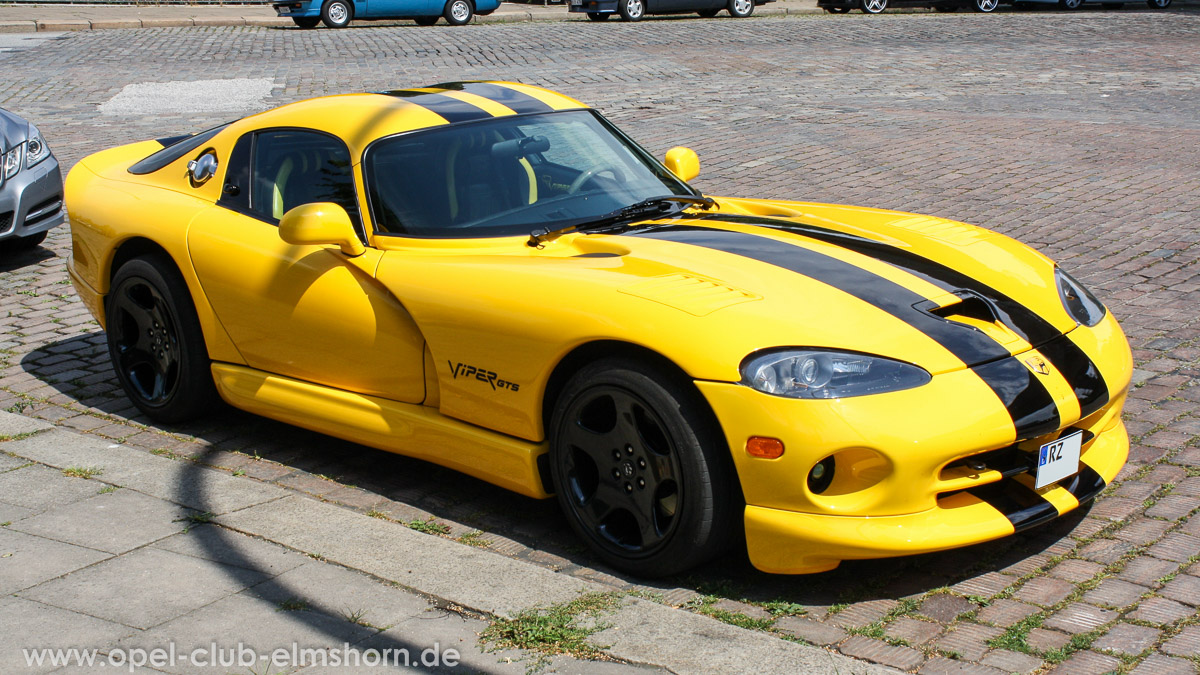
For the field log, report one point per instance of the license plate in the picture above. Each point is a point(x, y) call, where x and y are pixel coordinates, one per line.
point(1058, 459)
point(576, 3)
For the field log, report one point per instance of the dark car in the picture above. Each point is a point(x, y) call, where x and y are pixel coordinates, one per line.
point(634, 10)
point(31, 188)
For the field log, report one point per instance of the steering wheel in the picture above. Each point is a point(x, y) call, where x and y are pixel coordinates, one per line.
point(591, 173)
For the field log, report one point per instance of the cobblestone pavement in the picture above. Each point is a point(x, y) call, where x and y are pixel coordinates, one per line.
point(1078, 134)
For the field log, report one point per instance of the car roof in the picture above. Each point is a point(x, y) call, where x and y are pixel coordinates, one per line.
point(359, 119)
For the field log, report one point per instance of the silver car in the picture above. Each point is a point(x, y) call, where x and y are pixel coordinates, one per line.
point(31, 187)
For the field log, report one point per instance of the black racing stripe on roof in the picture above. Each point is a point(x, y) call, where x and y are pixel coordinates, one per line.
point(1028, 402)
point(452, 109)
point(1079, 371)
point(1025, 322)
point(517, 101)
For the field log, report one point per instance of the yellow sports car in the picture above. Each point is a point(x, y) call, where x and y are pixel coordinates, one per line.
point(492, 277)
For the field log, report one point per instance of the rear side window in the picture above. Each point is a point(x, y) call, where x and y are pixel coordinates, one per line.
point(174, 151)
point(290, 167)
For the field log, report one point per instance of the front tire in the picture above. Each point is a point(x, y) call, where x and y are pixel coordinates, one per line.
point(985, 6)
point(740, 9)
point(631, 10)
point(337, 13)
point(155, 342)
point(1158, 4)
point(1070, 4)
point(459, 12)
point(872, 6)
point(641, 468)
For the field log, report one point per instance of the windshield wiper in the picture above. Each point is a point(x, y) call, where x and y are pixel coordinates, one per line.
point(647, 208)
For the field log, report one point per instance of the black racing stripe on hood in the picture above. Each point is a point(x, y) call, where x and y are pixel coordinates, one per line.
point(1079, 371)
point(1031, 406)
point(448, 107)
point(1031, 327)
point(517, 101)
point(970, 345)
point(1028, 402)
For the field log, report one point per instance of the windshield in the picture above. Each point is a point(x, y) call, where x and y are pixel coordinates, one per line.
point(509, 175)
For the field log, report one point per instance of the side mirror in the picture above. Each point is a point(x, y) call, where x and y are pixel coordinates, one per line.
point(683, 162)
point(318, 224)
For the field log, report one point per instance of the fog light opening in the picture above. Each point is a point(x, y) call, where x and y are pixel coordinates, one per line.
point(821, 475)
point(764, 447)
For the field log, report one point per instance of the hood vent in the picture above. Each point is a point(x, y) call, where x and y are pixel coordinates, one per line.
point(695, 295)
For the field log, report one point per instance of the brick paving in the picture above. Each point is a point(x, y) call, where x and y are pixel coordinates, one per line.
point(1075, 133)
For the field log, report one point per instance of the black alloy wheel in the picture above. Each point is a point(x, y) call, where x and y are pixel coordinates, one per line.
point(640, 469)
point(156, 344)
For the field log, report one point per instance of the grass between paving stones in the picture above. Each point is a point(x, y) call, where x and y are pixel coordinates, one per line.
point(428, 526)
point(878, 628)
point(84, 472)
point(558, 629)
point(704, 605)
point(473, 538)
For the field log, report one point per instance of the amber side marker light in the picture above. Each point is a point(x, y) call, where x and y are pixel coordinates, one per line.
point(767, 448)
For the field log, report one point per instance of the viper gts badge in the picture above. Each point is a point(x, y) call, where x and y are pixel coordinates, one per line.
point(1038, 365)
point(482, 375)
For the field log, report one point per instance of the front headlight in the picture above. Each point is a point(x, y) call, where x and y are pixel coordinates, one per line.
point(35, 148)
point(811, 373)
point(1077, 300)
point(12, 161)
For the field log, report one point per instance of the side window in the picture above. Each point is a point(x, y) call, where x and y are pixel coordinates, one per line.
point(235, 193)
point(288, 168)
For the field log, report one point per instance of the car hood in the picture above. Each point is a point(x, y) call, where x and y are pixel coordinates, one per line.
point(13, 130)
point(941, 294)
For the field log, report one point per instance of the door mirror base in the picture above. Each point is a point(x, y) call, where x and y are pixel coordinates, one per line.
point(319, 224)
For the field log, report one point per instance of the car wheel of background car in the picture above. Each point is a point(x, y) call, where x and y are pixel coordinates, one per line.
point(155, 342)
point(985, 6)
point(336, 14)
point(1158, 4)
point(459, 12)
point(872, 6)
point(708, 13)
point(598, 16)
point(426, 20)
point(1070, 4)
point(26, 243)
point(631, 10)
point(740, 9)
point(306, 21)
point(640, 468)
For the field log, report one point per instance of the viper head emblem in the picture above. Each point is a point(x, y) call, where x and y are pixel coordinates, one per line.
point(1038, 365)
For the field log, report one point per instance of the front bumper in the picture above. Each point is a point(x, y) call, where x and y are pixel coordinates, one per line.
point(931, 468)
point(32, 200)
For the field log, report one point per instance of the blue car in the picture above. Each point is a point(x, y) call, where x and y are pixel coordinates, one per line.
point(339, 13)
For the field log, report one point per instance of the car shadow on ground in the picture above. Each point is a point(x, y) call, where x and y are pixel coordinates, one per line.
point(409, 490)
point(11, 259)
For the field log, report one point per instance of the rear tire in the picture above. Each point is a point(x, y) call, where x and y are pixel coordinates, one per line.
point(872, 6)
point(459, 12)
point(337, 13)
point(985, 6)
point(155, 342)
point(740, 9)
point(1158, 4)
point(631, 10)
point(641, 468)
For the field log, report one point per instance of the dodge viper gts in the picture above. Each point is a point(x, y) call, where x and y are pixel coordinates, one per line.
point(492, 277)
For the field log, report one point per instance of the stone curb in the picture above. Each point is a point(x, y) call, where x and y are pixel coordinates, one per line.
point(444, 570)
